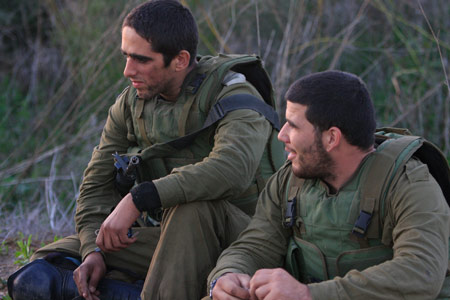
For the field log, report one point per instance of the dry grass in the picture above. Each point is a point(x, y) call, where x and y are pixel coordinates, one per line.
point(67, 72)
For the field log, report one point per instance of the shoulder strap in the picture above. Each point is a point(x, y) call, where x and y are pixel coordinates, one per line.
point(389, 157)
point(295, 184)
point(218, 112)
point(222, 108)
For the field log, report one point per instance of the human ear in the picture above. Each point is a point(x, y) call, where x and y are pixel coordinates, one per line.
point(181, 60)
point(331, 138)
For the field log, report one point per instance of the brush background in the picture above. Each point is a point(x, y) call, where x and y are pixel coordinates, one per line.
point(61, 68)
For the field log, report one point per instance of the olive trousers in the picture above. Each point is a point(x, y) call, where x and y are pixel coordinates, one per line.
point(176, 258)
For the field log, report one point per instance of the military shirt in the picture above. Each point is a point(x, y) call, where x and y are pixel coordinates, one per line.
point(228, 169)
point(417, 222)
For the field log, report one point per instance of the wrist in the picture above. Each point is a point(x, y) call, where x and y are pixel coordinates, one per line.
point(213, 284)
point(97, 251)
point(211, 287)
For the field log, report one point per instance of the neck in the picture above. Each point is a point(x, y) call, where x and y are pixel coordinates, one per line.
point(346, 166)
point(177, 83)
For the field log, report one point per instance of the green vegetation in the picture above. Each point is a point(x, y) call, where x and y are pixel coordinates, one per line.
point(7, 297)
point(24, 251)
point(61, 68)
point(4, 249)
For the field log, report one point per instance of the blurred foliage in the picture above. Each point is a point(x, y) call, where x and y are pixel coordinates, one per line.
point(61, 68)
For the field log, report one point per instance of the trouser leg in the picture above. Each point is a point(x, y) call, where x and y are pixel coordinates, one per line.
point(134, 259)
point(69, 245)
point(192, 237)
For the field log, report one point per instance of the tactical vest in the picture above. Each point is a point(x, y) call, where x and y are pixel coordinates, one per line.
point(195, 106)
point(333, 234)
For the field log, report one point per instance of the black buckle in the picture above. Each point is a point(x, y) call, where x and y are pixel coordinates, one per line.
point(362, 223)
point(291, 213)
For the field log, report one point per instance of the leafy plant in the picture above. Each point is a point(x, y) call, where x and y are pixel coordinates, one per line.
point(4, 249)
point(24, 253)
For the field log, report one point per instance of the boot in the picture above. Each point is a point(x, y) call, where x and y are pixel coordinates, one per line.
point(41, 280)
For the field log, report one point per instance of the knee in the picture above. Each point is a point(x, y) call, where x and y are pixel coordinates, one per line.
point(197, 210)
point(41, 280)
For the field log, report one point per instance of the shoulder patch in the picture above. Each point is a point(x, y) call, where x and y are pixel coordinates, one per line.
point(233, 78)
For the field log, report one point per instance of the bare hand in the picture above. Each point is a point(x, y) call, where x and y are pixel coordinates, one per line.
point(88, 274)
point(232, 286)
point(270, 284)
point(113, 232)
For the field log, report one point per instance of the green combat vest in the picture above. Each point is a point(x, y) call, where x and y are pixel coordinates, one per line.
point(198, 114)
point(336, 233)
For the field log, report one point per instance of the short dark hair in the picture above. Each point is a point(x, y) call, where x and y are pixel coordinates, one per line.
point(335, 98)
point(167, 25)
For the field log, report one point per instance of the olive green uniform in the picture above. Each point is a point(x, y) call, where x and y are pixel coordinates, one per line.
point(196, 186)
point(416, 226)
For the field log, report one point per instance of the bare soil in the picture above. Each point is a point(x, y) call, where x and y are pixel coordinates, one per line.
point(7, 266)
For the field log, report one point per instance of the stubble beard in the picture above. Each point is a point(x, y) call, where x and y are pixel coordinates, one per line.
point(148, 93)
point(314, 162)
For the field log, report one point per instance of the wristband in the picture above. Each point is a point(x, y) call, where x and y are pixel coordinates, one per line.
point(146, 196)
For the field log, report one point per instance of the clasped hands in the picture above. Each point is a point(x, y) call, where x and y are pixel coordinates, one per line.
point(267, 284)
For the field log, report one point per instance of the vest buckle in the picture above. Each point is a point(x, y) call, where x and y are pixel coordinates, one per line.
point(362, 223)
point(291, 213)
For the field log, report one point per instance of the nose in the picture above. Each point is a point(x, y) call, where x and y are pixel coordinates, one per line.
point(282, 135)
point(129, 70)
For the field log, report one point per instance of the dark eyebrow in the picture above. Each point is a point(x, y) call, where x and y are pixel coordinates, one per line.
point(291, 123)
point(137, 56)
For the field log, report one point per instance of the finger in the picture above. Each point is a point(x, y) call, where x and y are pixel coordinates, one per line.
point(79, 276)
point(220, 294)
point(230, 285)
point(125, 240)
point(95, 278)
point(262, 292)
point(120, 241)
point(237, 291)
point(244, 281)
point(260, 279)
point(109, 241)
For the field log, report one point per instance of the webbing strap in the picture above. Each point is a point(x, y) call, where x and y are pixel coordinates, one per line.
point(192, 87)
point(377, 179)
point(222, 108)
point(140, 119)
point(294, 186)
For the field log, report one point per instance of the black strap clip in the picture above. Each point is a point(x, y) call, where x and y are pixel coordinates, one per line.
point(291, 213)
point(362, 223)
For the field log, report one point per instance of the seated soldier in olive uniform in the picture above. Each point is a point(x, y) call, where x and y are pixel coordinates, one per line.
point(345, 217)
point(207, 187)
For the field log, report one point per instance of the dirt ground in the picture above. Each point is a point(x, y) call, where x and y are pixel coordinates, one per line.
point(7, 267)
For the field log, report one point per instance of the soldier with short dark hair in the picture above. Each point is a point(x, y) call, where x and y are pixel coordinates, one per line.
point(346, 217)
point(203, 128)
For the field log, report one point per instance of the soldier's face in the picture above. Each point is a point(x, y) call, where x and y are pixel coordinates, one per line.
point(304, 145)
point(144, 67)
